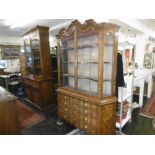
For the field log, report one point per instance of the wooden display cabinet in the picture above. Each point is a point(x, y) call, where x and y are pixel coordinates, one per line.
point(38, 81)
point(87, 57)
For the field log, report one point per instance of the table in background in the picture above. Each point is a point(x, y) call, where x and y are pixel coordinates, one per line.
point(8, 113)
point(143, 76)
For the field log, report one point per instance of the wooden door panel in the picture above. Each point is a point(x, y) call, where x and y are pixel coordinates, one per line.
point(36, 98)
point(28, 94)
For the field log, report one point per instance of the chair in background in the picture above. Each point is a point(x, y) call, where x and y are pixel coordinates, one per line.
point(15, 85)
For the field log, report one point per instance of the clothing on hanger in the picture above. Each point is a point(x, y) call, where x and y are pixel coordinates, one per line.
point(119, 73)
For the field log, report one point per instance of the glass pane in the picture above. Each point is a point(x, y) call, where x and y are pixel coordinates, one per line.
point(87, 57)
point(108, 64)
point(28, 53)
point(36, 54)
point(67, 61)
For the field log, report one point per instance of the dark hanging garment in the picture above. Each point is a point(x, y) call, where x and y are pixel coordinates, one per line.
point(119, 73)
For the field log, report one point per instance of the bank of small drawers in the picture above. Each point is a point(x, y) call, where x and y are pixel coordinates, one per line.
point(79, 113)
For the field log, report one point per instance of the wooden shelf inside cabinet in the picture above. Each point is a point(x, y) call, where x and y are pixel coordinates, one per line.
point(88, 96)
point(106, 79)
point(108, 62)
point(87, 92)
point(67, 75)
point(35, 49)
point(88, 46)
point(37, 66)
point(88, 62)
point(83, 62)
point(106, 44)
point(89, 78)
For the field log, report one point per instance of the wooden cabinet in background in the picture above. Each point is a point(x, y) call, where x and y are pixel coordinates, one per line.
point(23, 65)
point(38, 92)
point(86, 76)
point(38, 80)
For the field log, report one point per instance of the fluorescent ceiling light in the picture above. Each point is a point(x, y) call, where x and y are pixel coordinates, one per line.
point(16, 23)
point(9, 22)
point(21, 23)
point(60, 25)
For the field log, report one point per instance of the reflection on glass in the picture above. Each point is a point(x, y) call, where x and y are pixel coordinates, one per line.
point(108, 64)
point(87, 58)
point(36, 54)
point(28, 55)
point(67, 61)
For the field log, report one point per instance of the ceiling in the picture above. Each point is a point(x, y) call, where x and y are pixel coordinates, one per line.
point(149, 23)
point(125, 28)
point(8, 34)
point(13, 36)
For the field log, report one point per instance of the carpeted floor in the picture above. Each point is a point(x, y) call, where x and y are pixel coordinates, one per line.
point(49, 125)
point(27, 117)
point(149, 109)
point(140, 125)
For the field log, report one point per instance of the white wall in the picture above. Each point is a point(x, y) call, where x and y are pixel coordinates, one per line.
point(53, 41)
point(140, 49)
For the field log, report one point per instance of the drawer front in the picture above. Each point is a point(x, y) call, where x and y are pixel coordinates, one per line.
point(81, 114)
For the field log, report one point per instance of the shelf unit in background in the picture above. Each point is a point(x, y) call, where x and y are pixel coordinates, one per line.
point(124, 97)
point(127, 50)
point(124, 103)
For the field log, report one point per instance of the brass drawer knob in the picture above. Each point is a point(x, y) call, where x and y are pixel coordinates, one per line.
point(86, 111)
point(85, 118)
point(65, 109)
point(86, 104)
point(85, 126)
point(65, 103)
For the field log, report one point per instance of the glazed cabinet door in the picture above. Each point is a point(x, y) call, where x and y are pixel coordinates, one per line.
point(28, 53)
point(87, 62)
point(35, 47)
point(67, 61)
